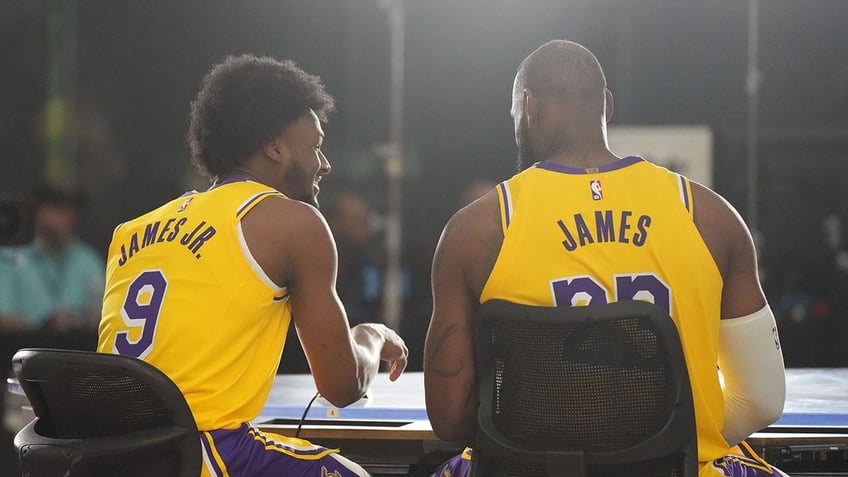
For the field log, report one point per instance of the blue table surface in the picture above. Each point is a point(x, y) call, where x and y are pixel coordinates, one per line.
point(815, 397)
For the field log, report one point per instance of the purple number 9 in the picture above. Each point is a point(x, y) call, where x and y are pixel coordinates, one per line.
point(141, 309)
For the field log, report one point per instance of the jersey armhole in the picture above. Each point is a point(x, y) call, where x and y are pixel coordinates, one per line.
point(685, 189)
point(251, 202)
point(254, 265)
point(505, 204)
point(243, 209)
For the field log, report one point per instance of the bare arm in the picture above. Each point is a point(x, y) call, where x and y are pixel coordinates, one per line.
point(292, 243)
point(732, 248)
point(463, 260)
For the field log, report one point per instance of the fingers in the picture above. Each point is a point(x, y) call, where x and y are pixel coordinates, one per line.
point(397, 366)
point(397, 356)
point(394, 350)
point(393, 371)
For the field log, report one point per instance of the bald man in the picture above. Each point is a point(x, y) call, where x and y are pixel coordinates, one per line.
point(622, 229)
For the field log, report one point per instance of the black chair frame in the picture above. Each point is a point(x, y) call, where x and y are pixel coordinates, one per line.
point(678, 434)
point(143, 426)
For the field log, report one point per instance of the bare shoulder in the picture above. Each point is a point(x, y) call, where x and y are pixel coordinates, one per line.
point(278, 212)
point(482, 215)
point(472, 239)
point(279, 229)
point(720, 225)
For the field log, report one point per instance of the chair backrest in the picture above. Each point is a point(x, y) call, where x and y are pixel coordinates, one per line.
point(582, 391)
point(101, 414)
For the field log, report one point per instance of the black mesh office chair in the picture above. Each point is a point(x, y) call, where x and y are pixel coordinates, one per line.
point(103, 415)
point(585, 391)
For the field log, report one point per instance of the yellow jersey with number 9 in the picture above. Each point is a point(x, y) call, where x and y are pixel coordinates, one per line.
point(184, 293)
point(622, 232)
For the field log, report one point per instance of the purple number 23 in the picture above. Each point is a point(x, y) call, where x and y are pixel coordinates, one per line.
point(585, 290)
point(141, 309)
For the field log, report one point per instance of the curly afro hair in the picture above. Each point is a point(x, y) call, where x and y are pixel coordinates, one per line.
point(244, 102)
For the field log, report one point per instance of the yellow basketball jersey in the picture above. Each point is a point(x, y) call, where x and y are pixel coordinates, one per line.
point(184, 293)
point(625, 231)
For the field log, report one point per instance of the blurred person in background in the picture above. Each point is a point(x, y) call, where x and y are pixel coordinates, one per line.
point(54, 283)
point(360, 282)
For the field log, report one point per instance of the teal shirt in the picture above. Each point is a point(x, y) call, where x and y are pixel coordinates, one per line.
point(35, 286)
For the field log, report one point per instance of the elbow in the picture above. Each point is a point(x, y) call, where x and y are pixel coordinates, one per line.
point(452, 415)
point(341, 400)
point(744, 417)
point(452, 424)
point(770, 404)
point(447, 432)
point(770, 411)
point(759, 418)
point(341, 396)
point(341, 385)
point(441, 428)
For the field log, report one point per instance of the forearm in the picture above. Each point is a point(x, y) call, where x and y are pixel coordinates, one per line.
point(368, 341)
point(348, 376)
point(451, 408)
point(754, 382)
point(449, 383)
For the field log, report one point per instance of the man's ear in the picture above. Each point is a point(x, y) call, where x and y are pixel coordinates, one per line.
point(277, 149)
point(609, 105)
point(531, 107)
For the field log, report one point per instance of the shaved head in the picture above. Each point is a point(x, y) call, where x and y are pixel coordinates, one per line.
point(564, 69)
point(569, 78)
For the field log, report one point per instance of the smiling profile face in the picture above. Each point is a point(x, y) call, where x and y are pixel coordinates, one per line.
point(307, 163)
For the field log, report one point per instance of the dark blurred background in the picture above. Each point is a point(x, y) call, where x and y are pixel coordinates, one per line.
point(95, 94)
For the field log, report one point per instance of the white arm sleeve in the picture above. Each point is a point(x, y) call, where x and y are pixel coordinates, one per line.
point(750, 359)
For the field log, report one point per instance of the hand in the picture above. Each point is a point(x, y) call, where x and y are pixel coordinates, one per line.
point(395, 352)
point(391, 346)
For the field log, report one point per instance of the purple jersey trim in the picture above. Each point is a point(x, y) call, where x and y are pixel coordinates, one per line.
point(619, 164)
point(505, 202)
point(684, 192)
point(230, 180)
point(282, 297)
point(254, 199)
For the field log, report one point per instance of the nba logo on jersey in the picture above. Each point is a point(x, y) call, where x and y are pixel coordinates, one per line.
point(185, 204)
point(597, 191)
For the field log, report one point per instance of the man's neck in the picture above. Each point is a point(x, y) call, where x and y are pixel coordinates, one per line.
point(586, 159)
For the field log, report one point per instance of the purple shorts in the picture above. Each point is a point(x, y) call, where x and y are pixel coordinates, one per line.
point(749, 464)
point(459, 466)
point(248, 452)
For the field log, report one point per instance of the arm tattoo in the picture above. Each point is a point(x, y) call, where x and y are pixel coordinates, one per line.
point(441, 342)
